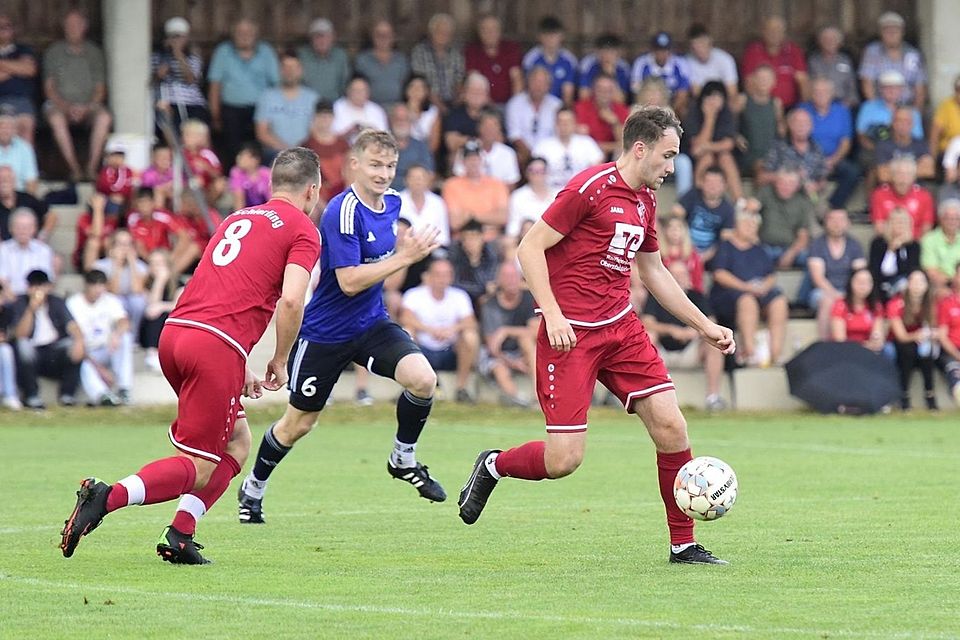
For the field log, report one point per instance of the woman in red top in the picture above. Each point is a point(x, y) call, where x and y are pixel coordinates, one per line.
point(676, 246)
point(913, 331)
point(857, 317)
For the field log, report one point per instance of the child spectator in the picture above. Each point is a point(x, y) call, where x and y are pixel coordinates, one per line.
point(199, 229)
point(125, 276)
point(676, 246)
point(159, 175)
point(708, 212)
point(94, 226)
point(153, 228)
point(475, 263)
point(858, 316)
point(249, 179)
point(948, 321)
point(116, 179)
point(160, 300)
point(204, 164)
point(913, 332)
point(331, 149)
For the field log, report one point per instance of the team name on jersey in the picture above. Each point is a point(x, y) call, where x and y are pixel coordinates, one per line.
point(269, 214)
point(379, 258)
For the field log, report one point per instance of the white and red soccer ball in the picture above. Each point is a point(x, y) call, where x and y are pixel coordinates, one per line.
point(705, 488)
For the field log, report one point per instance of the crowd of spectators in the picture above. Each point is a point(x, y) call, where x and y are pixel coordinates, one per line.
point(776, 144)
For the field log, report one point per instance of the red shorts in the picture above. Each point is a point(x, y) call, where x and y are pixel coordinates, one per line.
point(619, 355)
point(207, 375)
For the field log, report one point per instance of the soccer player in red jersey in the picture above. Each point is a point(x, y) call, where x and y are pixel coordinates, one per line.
point(577, 261)
point(258, 260)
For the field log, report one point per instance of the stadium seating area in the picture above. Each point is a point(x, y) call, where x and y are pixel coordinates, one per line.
point(488, 133)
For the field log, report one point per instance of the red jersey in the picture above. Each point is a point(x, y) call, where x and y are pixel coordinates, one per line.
point(588, 114)
point(859, 323)
point(694, 265)
point(204, 164)
point(197, 227)
point(917, 201)
point(234, 291)
point(110, 224)
point(495, 68)
point(115, 182)
point(785, 63)
point(605, 223)
point(948, 317)
point(154, 233)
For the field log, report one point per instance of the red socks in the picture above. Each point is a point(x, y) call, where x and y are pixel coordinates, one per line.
point(159, 481)
point(525, 462)
point(680, 525)
point(194, 504)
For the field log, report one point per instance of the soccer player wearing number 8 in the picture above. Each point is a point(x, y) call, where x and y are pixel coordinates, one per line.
point(577, 260)
point(346, 321)
point(258, 260)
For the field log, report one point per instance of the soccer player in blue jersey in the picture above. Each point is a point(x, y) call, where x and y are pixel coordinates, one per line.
point(346, 322)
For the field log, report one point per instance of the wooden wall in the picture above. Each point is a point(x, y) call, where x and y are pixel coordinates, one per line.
point(283, 22)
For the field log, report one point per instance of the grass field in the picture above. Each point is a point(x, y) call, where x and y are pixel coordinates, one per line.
point(845, 528)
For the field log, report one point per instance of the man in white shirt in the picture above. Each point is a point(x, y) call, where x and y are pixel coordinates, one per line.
point(706, 62)
point(440, 318)
point(567, 153)
point(531, 114)
point(355, 111)
point(528, 203)
point(499, 160)
point(107, 341)
point(420, 206)
point(21, 254)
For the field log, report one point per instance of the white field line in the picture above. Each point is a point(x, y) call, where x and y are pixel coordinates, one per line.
point(594, 620)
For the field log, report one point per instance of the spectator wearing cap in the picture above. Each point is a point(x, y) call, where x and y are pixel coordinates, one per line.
point(240, 70)
point(831, 62)
point(17, 153)
point(876, 115)
point(661, 62)
point(178, 75)
point(355, 111)
point(115, 179)
point(706, 62)
point(499, 160)
point(283, 114)
point(891, 53)
point(385, 66)
point(945, 125)
point(940, 247)
point(411, 151)
point(22, 253)
point(531, 114)
point(607, 59)
point(784, 56)
point(530, 201)
point(475, 195)
point(18, 68)
point(549, 53)
point(326, 67)
point(48, 342)
point(497, 59)
point(107, 341)
point(567, 153)
point(330, 148)
point(76, 89)
point(440, 60)
point(602, 116)
point(902, 143)
point(12, 199)
point(421, 206)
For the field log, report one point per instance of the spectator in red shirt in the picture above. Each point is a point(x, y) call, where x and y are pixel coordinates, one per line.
point(858, 317)
point(332, 151)
point(115, 179)
point(204, 164)
point(676, 246)
point(199, 230)
point(153, 228)
point(602, 117)
point(902, 192)
point(94, 226)
point(786, 58)
point(913, 333)
point(948, 321)
point(497, 59)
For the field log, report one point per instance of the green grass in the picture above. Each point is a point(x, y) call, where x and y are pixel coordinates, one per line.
point(845, 528)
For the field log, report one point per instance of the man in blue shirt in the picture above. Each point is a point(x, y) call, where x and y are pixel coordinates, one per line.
point(346, 321)
point(608, 59)
point(833, 133)
point(662, 63)
point(283, 114)
point(559, 61)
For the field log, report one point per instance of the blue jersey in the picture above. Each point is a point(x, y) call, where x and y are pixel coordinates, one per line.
point(563, 68)
point(590, 68)
point(351, 234)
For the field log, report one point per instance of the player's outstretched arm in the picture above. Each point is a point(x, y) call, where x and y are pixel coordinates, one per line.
point(533, 261)
point(289, 317)
point(662, 285)
point(413, 248)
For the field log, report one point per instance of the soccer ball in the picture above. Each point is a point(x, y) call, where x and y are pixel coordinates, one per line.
point(705, 488)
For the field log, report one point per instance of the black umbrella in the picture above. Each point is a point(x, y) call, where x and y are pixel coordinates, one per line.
point(843, 377)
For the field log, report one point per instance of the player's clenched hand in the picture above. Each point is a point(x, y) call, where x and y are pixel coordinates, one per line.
point(418, 244)
point(252, 387)
point(276, 375)
point(560, 333)
point(720, 337)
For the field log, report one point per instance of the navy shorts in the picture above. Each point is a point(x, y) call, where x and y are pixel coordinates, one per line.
point(315, 367)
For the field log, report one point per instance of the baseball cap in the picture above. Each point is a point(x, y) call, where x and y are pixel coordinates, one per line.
point(37, 277)
point(661, 40)
point(472, 147)
point(321, 25)
point(115, 146)
point(891, 77)
point(176, 26)
point(890, 19)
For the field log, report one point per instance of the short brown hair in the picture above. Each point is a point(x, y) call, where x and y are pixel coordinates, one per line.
point(648, 124)
point(375, 138)
point(294, 169)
